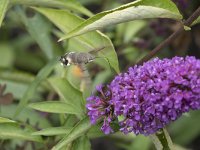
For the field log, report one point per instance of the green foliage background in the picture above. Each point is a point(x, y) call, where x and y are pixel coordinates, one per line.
point(42, 106)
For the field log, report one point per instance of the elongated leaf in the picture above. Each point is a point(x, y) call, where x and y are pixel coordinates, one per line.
point(34, 26)
point(80, 129)
point(81, 143)
point(55, 107)
point(43, 73)
point(141, 9)
point(5, 120)
point(3, 8)
point(15, 131)
point(69, 4)
point(85, 43)
point(67, 93)
point(53, 131)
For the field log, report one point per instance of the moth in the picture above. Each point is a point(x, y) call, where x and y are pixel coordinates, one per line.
point(77, 58)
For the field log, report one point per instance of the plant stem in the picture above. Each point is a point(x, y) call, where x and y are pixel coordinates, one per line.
point(162, 140)
point(187, 23)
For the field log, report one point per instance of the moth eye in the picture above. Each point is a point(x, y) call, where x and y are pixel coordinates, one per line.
point(63, 60)
point(66, 62)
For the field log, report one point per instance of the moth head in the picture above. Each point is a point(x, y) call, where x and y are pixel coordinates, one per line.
point(64, 61)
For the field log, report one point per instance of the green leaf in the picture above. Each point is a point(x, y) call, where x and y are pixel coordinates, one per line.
point(79, 129)
point(141, 9)
point(140, 142)
point(67, 92)
point(131, 29)
point(17, 131)
point(5, 120)
point(35, 25)
point(3, 8)
point(186, 28)
point(188, 124)
point(43, 73)
point(84, 43)
point(95, 131)
point(82, 143)
point(70, 4)
point(53, 131)
point(101, 78)
point(55, 107)
point(34, 118)
point(6, 55)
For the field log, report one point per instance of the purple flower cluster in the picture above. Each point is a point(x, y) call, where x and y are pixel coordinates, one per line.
point(100, 106)
point(149, 97)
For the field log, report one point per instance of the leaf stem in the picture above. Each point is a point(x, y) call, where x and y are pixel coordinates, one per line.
point(162, 140)
point(166, 42)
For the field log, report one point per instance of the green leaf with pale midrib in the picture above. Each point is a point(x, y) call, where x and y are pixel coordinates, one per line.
point(71, 5)
point(3, 7)
point(52, 131)
point(16, 131)
point(84, 43)
point(141, 9)
point(55, 107)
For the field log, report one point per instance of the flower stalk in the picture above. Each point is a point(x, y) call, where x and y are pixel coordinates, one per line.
point(173, 36)
point(162, 140)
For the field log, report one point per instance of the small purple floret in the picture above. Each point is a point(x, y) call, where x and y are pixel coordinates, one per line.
point(149, 97)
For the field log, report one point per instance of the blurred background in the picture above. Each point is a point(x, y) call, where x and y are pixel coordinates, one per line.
point(23, 53)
